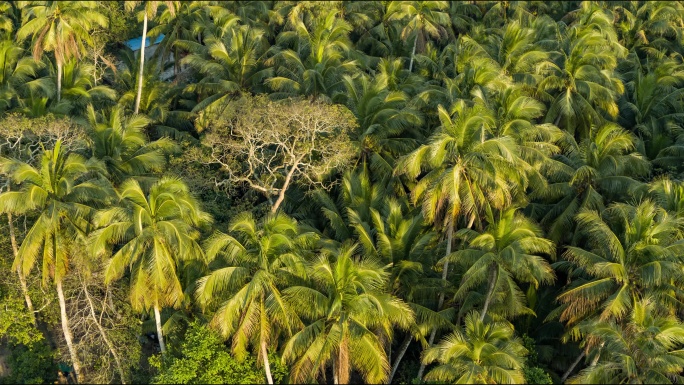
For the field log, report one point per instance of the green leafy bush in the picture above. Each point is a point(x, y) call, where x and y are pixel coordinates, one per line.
point(537, 375)
point(31, 364)
point(204, 359)
point(533, 373)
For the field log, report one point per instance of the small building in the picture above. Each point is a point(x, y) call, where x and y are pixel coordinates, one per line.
point(150, 49)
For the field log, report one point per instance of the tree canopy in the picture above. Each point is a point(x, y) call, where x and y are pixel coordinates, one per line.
point(341, 192)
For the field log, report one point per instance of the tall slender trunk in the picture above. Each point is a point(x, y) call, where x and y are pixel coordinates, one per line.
point(493, 277)
point(440, 302)
point(598, 354)
point(413, 53)
point(103, 334)
point(160, 335)
point(334, 370)
point(111, 303)
point(557, 120)
point(20, 274)
point(267, 365)
point(67, 332)
point(402, 350)
point(59, 80)
point(95, 71)
point(343, 362)
point(572, 367)
point(175, 63)
point(142, 64)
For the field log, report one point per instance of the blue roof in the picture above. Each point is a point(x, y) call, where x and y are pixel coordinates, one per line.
point(134, 44)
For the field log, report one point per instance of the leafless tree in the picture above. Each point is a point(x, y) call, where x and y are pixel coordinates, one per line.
point(269, 146)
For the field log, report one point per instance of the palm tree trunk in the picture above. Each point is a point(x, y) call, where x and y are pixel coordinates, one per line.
point(160, 336)
point(67, 332)
point(402, 351)
point(95, 70)
point(175, 63)
point(440, 302)
point(572, 367)
point(267, 365)
point(557, 120)
point(22, 279)
point(343, 362)
point(111, 303)
point(493, 277)
point(142, 64)
point(413, 54)
point(27, 297)
point(59, 80)
point(103, 334)
point(334, 370)
point(598, 354)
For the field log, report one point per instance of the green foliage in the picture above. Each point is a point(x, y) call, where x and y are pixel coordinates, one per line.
point(122, 25)
point(536, 375)
point(31, 364)
point(644, 350)
point(204, 359)
point(16, 323)
point(479, 353)
point(533, 373)
point(437, 156)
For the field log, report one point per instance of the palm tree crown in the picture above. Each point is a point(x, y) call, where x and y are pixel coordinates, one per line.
point(481, 353)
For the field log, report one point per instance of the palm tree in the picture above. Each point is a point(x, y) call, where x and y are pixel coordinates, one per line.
point(515, 113)
point(348, 312)
point(154, 229)
point(253, 13)
point(228, 64)
point(317, 60)
point(602, 166)
point(521, 51)
point(581, 84)
point(158, 99)
point(650, 28)
point(389, 230)
point(646, 350)
point(633, 252)
point(425, 18)
point(509, 250)
point(392, 75)
point(6, 22)
point(467, 172)
point(463, 16)
point(467, 169)
point(668, 194)
point(387, 125)
point(481, 353)
point(289, 14)
point(62, 27)
point(177, 23)
point(382, 38)
point(61, 191)
point(121, 144)
point(460, 72)
point(651, 109)
point(149, 11)
point(254, 266)
point(18, 74)
point(79, 90)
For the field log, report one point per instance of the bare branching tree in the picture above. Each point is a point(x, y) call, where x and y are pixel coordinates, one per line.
point(269, 145)
point(100, 329)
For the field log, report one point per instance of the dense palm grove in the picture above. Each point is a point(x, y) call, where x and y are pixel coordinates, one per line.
point(335, 192)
